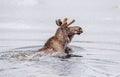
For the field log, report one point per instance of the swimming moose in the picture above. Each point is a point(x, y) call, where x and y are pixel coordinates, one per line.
point(63, 36)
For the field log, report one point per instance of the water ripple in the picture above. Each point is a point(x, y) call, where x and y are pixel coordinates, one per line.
point(87, 66)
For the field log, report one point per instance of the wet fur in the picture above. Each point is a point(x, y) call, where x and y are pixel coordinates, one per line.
point(63, 36)
point(56, 43)
point(76, 30)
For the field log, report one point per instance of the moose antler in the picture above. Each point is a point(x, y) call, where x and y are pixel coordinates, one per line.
point(64, 22)
point(71, 23)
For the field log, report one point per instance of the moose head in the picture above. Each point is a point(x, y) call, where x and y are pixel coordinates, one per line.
point(70, 30)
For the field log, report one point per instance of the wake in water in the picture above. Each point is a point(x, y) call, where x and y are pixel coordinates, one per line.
point(96, 62)
point(31, 53)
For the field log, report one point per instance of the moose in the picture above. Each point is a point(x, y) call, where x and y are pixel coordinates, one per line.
point(63, 36)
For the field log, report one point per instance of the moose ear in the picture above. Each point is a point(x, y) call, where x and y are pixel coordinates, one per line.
point(58, 22)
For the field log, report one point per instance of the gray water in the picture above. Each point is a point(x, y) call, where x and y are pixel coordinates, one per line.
point(25, 25)
point(100, 58)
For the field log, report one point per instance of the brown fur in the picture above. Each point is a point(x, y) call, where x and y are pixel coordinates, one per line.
point(76, 30)
point(63, 36)
point(71, 32)
point(56, 43)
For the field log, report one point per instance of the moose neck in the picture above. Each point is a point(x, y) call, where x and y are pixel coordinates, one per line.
point(61, 34)
point(71, 36)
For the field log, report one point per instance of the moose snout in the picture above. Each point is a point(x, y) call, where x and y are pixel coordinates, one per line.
point(80, 31)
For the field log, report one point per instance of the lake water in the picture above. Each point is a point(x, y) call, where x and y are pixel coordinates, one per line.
point(100, 49)
point(25, 26)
